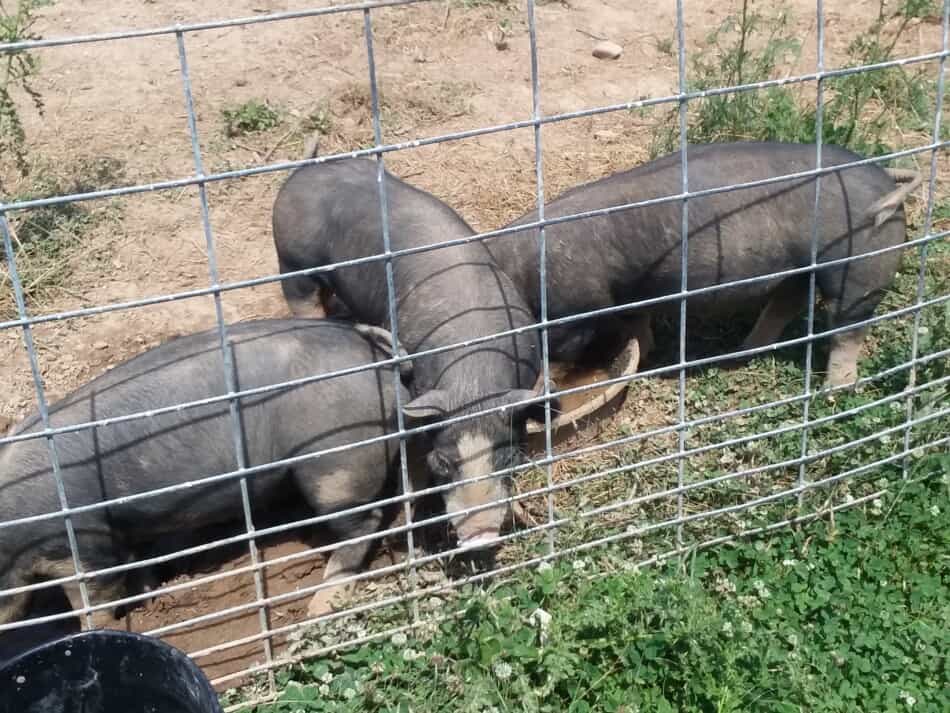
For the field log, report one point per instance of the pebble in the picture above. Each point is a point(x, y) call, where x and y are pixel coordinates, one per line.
point(607, 50)
point(100, 345)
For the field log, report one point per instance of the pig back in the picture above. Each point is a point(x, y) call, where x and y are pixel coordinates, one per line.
point(171, 448)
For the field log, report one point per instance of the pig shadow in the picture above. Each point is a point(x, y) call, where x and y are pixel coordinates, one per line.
point(720, 338)
point(52, 600)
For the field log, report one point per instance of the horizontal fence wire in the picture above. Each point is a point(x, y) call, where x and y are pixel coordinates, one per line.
point(805, 477)
point(545, 490)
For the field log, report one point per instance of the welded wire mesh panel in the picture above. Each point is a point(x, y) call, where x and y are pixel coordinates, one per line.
point(236, 473)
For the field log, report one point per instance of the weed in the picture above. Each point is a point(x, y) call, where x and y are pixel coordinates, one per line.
point(859, 109)
point(16, 71)
point(319, 120)
point(664, 45)
point(44, 237)
point(249, 118)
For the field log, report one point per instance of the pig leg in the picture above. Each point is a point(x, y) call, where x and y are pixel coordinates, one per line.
point(98, 592)
point(843, 359)
point(785, 303)
point(347, 560)
point(851, 294)
point(299, 293)
point(13, 607)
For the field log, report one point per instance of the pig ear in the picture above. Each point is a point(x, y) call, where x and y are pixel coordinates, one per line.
point(384, 340)
point(431, 404)
point(534, 411)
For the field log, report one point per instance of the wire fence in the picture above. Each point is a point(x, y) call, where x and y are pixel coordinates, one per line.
point(687, 507)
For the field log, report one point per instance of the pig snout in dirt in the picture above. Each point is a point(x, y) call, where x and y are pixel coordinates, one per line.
point(472, 458)
point(635, 254)
point(330, 213)
point(183, 445)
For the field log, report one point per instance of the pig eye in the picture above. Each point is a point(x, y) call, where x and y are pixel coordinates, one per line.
point(441, 465)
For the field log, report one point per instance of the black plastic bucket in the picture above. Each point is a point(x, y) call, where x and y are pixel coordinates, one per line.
point(105, 671)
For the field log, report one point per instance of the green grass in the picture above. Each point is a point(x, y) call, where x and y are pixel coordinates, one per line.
point(842, 616)
point(860, 111)
point(45, 239)
point(251, 117)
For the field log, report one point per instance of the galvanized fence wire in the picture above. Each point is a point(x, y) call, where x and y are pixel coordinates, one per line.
point(804, 483)
point(237, 425)
point(564, 485)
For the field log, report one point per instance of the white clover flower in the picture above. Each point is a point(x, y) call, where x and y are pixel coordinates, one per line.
point(727, 629)
point(792, 640)
point(579, 564)
point(324, 689)
point(327, 677)
point(746, 626)
point(908, 699)
point(399, 639)
point(545, 566)
point(789, 562)
point(543, 620)
point(502, 670)
point(636, 547)
point(410, 655)
point(349, 693)
point(934, 510)
point(848, 498)
point(881, 483)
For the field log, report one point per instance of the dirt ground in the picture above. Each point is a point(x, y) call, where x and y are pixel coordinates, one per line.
point(439, 72)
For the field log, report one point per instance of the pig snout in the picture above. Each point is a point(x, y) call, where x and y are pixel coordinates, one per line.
point(481, 528)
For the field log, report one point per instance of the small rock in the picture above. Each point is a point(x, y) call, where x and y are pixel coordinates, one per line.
point(607, 50)
point(100, 345)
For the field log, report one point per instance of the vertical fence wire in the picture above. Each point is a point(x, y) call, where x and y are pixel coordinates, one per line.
point(237, 426)
point(231, 378)
point(928, 226)
point(542, 269)
point(42, 407)
point(684, 267)
point(813, 249)
point(391, 301)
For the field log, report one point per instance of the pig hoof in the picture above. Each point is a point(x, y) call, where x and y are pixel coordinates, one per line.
point(327, 601)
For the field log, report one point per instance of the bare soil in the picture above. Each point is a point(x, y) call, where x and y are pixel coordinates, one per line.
point(438, 71)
